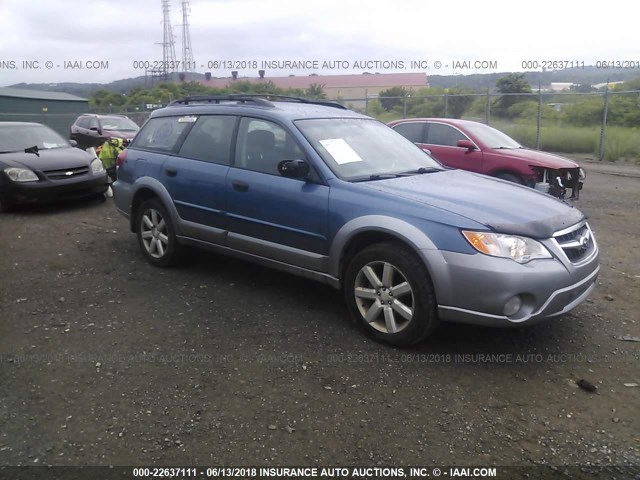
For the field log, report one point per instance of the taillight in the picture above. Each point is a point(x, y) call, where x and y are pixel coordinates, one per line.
point(121, 158)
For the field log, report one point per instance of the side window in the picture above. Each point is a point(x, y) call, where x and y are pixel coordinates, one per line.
point(83, 122)
point(263, 144)
point(413, 131)
point(210, 139)
point(440, 134)
point(162, 134)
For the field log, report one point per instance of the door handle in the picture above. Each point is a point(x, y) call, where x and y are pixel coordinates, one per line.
point(172, 172)
point(240, 186)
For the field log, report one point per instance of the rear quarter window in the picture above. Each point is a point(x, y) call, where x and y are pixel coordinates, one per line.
point(162, 134)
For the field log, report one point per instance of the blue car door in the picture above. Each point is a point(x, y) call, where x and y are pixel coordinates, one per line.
point(270, 215)
point(195, 177)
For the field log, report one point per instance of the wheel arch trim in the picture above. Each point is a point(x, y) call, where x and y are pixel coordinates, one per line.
point(394, 227)
point(160, 191)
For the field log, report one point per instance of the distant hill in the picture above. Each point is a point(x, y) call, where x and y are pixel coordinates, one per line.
point(587, 75)
point(86, 89)
point(478, 81)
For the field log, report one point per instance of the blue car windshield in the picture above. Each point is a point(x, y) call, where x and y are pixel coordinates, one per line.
point(360, 148)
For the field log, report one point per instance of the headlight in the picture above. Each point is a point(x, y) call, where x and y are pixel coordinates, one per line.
point(21, 175)
point(582, 174)
point(520, 249)
point(96, 166)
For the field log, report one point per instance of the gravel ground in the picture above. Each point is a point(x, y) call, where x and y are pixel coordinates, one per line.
point(106, 360)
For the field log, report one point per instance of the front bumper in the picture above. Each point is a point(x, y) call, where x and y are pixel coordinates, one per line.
point(44, 190)
point(475, 288)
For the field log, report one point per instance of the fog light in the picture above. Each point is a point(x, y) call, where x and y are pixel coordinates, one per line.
point(512, 306)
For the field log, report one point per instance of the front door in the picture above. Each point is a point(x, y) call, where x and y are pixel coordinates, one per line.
point(270, 215)
point(442, 141)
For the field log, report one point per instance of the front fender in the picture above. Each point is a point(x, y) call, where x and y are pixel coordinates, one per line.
point(403, 231)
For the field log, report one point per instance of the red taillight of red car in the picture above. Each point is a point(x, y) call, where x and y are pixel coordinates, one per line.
point(121, 158)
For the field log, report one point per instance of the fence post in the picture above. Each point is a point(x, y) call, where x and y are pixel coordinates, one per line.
point(404, 107)
point(539, 119)
point(446, 106)
point(366, 101)
point(603, 129)
point(487, 111)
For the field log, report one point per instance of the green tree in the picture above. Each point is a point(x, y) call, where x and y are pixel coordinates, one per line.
point(315, 91)
point(389, 103)
point(511, 84)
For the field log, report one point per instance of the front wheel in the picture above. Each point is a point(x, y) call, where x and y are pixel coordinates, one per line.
point(389, 292)
point(156, 235)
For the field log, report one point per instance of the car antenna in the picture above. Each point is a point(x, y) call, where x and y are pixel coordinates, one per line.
point(33, 149)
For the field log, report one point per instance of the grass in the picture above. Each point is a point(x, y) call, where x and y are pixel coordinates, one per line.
point(621, 143)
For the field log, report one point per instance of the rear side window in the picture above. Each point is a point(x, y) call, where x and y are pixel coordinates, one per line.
point(210, 139)
point(162, 134)
point(441, 134)
point(83, 122)
point(413, 131)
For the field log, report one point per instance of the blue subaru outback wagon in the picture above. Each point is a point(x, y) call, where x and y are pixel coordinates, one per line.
point(320, 191)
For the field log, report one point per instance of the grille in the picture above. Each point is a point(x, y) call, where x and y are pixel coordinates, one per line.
point(577, 244)
point(66, 173)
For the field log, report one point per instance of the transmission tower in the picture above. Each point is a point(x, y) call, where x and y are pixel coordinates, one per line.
point(187, 53)
point(169, 65)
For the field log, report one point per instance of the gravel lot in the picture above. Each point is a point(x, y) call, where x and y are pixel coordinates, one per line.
point(106, 360)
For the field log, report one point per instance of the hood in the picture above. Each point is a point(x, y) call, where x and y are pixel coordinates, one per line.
point(54, 159)
point(499, 205)
point(124, 134)
point(536, 157)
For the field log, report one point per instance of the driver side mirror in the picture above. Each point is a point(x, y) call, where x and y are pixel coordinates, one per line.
point(73, 143)
point(294, 169)
point(466, 144)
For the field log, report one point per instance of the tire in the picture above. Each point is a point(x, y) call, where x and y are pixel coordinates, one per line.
point(510, 177)
point(156, 234)
point(389, 292)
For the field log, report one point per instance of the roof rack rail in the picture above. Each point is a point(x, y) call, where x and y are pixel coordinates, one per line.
point(221, 98)
point(258, 98)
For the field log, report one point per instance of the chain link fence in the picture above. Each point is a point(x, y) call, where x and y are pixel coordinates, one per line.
point(604, 125)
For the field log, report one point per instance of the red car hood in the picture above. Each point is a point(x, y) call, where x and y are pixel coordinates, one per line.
point(537, 158)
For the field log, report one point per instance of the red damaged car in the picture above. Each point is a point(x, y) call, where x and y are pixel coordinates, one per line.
point(477, 147)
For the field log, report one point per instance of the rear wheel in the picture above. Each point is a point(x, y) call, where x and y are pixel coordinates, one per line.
point(156, 235)
point(510, 177)
point(389, 292)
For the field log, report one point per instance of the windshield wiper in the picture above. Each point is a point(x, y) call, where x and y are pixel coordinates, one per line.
point(379, 176)
point(422, 170)
point(33, 150)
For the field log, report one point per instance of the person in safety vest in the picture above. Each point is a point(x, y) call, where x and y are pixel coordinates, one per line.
point(109, 153)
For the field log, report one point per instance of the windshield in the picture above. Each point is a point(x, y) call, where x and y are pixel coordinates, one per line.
point(356, 148)
point(15, 138)
point(491, 137)
point(118, 124)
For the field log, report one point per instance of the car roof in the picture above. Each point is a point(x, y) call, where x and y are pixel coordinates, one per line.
point(277, 109)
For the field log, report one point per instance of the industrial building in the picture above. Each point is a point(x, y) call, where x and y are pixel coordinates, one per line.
point(56, 109)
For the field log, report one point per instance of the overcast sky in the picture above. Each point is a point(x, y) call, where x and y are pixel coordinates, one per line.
point(122, 32)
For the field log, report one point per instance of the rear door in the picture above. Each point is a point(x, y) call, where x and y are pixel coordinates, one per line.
point(270, 215)
point(442, 141)
point(414, 131)
point(195, 176)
